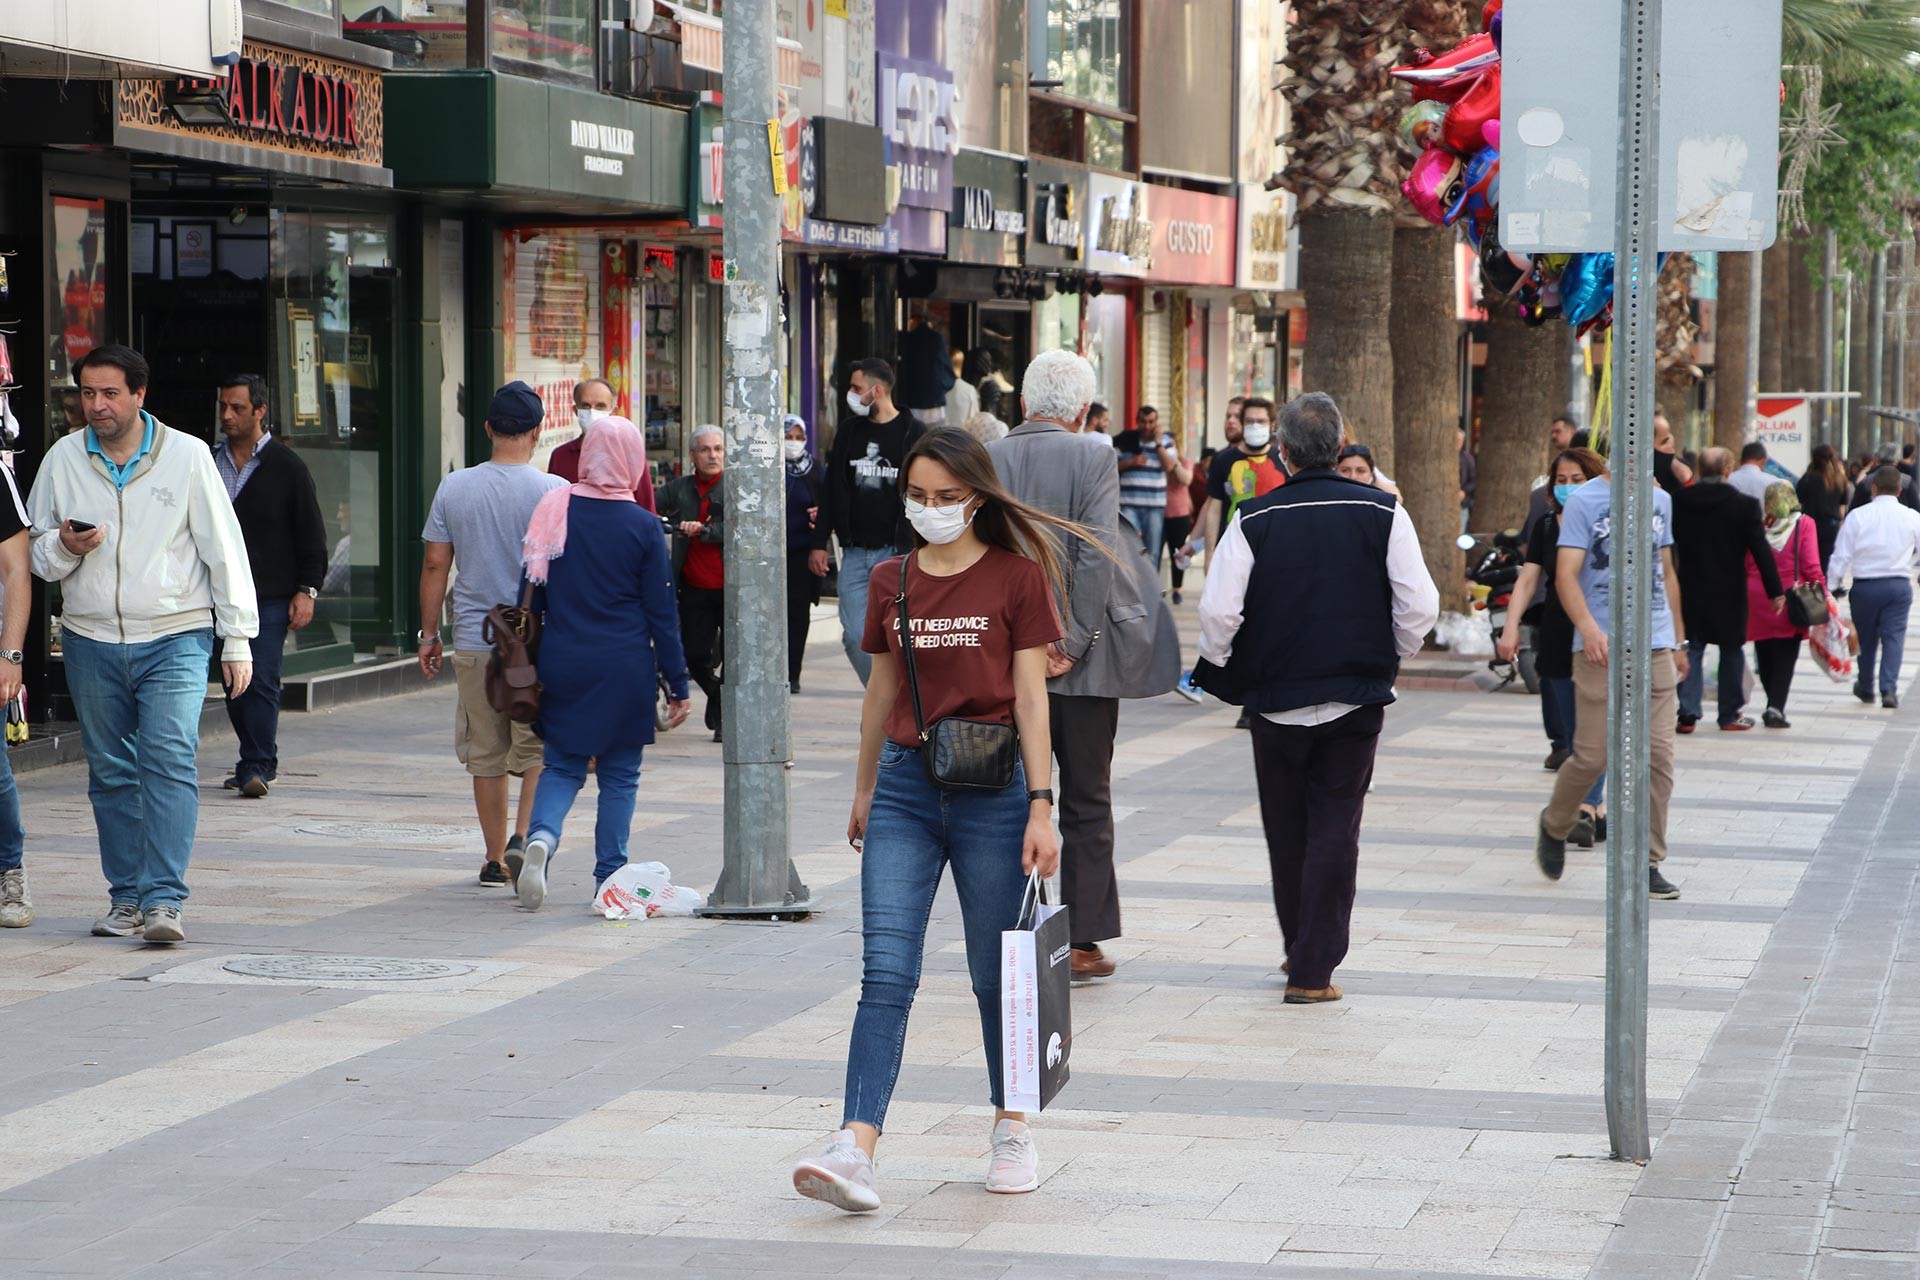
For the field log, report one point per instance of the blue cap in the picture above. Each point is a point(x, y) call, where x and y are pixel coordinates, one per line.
point(516, 410)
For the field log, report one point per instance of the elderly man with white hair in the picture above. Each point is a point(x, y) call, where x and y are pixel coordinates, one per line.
point(691, 507)
point(1046, 462)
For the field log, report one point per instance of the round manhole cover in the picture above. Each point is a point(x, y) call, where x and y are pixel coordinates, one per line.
point(345, 969)
point(394, 832)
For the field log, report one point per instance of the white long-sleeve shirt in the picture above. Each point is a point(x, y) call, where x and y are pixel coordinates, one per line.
point(1879, 540)
point(1416, 604)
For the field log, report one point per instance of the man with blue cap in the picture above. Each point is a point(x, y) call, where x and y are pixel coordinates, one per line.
point(481, 515)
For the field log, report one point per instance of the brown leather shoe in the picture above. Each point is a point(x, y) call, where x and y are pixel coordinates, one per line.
point(1324, 995)
point(1091, 964)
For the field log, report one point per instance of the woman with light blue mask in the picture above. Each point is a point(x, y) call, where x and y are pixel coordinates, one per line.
point(1553, 632)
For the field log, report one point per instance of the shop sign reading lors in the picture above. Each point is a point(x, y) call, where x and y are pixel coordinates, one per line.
point(272, 98)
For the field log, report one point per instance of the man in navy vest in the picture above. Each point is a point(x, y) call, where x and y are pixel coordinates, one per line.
point(1314, 595)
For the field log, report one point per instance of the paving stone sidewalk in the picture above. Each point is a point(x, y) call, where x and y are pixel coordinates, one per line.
point(565, 1096)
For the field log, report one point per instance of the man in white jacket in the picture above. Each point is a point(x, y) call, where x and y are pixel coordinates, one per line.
point(131, 519)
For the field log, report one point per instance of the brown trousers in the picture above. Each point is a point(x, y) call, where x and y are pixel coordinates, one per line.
point(1576, 776)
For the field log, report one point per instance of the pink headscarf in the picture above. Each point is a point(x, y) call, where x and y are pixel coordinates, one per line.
point(613, 458)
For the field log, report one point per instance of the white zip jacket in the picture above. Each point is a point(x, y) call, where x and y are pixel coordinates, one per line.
point(172, 559)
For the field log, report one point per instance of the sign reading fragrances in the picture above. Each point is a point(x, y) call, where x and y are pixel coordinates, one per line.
point(916, 116)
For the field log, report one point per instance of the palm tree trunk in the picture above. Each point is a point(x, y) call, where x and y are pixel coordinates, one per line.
point(1526, 388)
point(1734, 316)
point(1803, 317)
point(1426, 400)
point(1773, 316)
point(1346, 268)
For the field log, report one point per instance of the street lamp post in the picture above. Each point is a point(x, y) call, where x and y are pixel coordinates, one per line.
point(758, 878)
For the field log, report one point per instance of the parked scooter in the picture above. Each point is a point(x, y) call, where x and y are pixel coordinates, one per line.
point(1493, 566)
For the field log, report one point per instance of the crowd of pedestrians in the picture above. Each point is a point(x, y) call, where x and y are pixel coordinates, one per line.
point(999, 587)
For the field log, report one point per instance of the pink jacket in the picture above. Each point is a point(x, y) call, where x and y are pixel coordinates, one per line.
point(1799, 561)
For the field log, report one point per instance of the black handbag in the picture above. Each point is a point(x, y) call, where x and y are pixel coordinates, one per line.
point(1806, 601)
point(975, 755)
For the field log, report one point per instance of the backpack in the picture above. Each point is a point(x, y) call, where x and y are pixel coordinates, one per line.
point(513, 679)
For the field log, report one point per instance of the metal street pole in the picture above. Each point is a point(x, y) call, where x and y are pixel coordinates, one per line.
point(1829, 275)
point(1629, 659)
point(1756, 266)
point(1877, 332)
point(758, 877)
point(1846, 367)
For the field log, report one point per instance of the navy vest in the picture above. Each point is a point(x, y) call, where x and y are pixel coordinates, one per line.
point(1319, 607)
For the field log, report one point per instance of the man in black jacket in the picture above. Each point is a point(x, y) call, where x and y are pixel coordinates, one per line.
point(279, 512)
point(1716, 528)
point(1316, 679)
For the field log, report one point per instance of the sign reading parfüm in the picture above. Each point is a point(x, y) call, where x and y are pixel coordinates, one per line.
point(975, 210)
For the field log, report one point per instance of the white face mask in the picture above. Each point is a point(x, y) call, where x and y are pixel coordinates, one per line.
point(796, 449)
point(587, 417)
point(1255, 435)
point(855, 403)
point(938, 525)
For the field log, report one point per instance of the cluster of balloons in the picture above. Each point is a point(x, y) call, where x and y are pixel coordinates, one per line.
point(1454, 127)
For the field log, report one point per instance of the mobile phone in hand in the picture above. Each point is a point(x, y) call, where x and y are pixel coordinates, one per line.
point(80, 526)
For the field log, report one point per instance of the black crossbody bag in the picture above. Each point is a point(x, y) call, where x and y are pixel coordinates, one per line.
point(975, 755)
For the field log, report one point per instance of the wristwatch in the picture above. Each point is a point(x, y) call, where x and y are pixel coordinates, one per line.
point(424, 637)
point(311, 593)
point(15, 656)
point(1046, 795)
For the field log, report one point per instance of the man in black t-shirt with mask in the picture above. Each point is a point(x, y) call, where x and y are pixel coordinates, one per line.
point(863, 506)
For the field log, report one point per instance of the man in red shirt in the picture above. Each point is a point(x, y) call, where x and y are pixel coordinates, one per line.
point(593, 399)
point(691, 506)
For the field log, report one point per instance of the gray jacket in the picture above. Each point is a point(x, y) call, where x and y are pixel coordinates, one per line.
point(1111, 625)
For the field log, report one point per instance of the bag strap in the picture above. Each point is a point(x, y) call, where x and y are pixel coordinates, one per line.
point(1032, 899)
point(906, 651)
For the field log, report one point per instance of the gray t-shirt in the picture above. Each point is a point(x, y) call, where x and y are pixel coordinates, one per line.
point(1586, 524)
point(484, 512)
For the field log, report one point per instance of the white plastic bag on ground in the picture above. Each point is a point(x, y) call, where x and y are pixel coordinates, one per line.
point(642, 889)
point(1466, 634)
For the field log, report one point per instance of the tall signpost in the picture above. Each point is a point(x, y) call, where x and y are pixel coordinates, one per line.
point(1674, 146)
point(758, 878)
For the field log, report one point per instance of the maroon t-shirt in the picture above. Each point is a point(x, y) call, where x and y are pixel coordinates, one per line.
point(967, 628)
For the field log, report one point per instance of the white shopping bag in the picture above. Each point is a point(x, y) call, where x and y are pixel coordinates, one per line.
point(1036, 988)
point(642, 889)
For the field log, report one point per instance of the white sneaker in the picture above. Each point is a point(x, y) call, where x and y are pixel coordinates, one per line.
point(1187, 689)
point(16, 905)
point(1014, 1165)
point(532, 882)
point(163, 923)
point(843, 1177)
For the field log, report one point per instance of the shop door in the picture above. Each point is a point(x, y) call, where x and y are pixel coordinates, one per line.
point(1008, 333)
point(1156, 354)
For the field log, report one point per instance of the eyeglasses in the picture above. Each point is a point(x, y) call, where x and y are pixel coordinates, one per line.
point(1356, 451)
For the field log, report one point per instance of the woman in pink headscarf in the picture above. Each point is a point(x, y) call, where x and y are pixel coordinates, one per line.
point(603, 582)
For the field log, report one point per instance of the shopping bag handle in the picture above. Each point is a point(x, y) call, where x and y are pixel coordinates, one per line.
point(1034, 896)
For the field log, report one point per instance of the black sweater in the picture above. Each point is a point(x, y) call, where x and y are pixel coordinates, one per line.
point(279, 515)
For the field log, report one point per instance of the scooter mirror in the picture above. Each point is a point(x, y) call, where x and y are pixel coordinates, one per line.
point(1465, 542)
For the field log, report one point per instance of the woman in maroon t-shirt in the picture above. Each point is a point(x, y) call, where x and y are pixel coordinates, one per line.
point(980, 592)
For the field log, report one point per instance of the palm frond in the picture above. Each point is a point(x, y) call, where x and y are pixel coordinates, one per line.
point(1851, 36)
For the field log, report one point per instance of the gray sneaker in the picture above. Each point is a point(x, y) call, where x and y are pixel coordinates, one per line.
point(843, 1177)
point(122, 920)
point(16, 907)
point(163, 923)
point(1013, 1166)
point(531, 881)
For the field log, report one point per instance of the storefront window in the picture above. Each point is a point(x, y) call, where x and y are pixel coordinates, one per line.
point(552, 38)
point(334, 294)
point(1056, 323)
point(1106, 143)
point(664, 412)
point(1082, 46)
point(318, 8)
point(1255, 358)
point(423, 33)
point(1107, 350)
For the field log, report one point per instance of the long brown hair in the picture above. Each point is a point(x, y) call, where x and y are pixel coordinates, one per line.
point(1002, 520)
point(1826, 464)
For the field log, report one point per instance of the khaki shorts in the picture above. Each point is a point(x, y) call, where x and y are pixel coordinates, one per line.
point(488, 743)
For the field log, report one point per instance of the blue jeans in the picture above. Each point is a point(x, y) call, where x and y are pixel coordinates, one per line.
point(13, 833)
point(856, 566)
point(139, 708)
point(913, 831)
point(618, 773)
point(1558, 709)
point(1150, 523)
point(255, 714)
point(1733, 681)
point(1880, 609)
